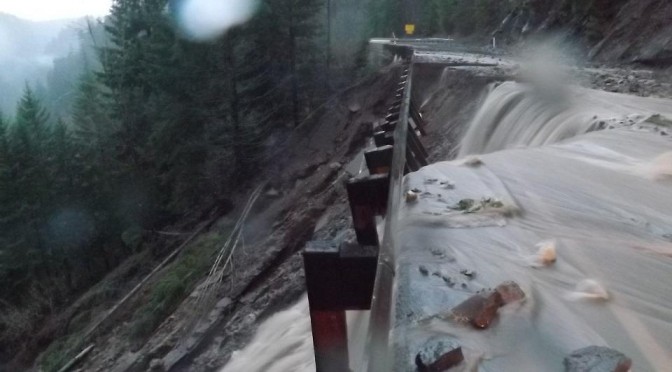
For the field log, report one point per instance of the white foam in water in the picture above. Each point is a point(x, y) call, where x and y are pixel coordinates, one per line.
point(588, 289)
point(547, 253)
point(601, 193)
point(661, 167)
point(283, 343)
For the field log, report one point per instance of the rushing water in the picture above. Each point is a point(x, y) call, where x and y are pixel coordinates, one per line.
point(588, 173)
point(586, 180)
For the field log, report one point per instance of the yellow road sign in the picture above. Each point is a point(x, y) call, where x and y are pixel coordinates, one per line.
point(409, 28)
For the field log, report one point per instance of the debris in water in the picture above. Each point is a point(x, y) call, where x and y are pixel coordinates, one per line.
point(448, 185)
point(448, 280)
point(439, 355)
point(546, 254)
point(660, 120)
point(423, 270)
point(411, 196)
point(431, 181)
point(488, 312)
point(588, 289)
point(464, 204)
point(438, 252)
point(510, 292)
point(479, 310)
point(468, 273)
point(472, 161)
point(597, 359)
point(471, 206)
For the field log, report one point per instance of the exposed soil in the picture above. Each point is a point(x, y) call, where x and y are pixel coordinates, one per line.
point(305, 199)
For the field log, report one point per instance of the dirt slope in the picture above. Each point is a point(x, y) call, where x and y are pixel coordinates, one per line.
point(305, 200)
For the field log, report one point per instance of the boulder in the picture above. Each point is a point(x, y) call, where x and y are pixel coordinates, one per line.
point(597, 359)
point(438, 355)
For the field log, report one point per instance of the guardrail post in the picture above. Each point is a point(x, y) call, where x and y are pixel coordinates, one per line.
point(338, 278)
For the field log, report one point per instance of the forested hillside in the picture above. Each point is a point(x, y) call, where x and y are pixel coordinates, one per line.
point(159, 129)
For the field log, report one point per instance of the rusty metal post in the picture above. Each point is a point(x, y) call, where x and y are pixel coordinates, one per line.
point(330, 340)
point(338, 278)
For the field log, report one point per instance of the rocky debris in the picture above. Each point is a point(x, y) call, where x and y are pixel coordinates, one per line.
point(480, 310)
point(637, 82)
point(438, 252)
point(438, 355)
point(597, 359)
point(423, 270)
point(448, 280)
point(471, 206)
point(411, 196)
point(464, 205)
point(472, 161)
point(447, 184)
point(510, 292)
point(468, 273)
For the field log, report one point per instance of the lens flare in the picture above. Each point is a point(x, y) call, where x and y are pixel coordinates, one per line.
point(204, 20)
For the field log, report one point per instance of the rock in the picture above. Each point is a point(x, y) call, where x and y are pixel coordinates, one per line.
point(449, 281)
point(464, 204)
point(335, 165)
point(597, 359)
point(472, 161)
point(510, 292)
point(488, 313)
point(411, 197)
point(468, 273)
point(423, 270)
point(438, 355)
point(448, 184)
point(156, 365)
point(479, 310)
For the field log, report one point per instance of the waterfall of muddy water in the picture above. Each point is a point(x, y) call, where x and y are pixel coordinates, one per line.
point(515, 115)
point(584, 227)
point(284, 343)
point(585, 180)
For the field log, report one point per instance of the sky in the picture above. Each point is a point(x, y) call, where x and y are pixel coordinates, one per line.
point(45, 10)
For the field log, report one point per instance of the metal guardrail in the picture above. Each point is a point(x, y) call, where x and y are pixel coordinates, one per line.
point(359, 275)
point(379, 359)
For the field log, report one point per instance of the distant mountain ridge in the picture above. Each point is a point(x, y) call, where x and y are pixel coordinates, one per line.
point(27, 51)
